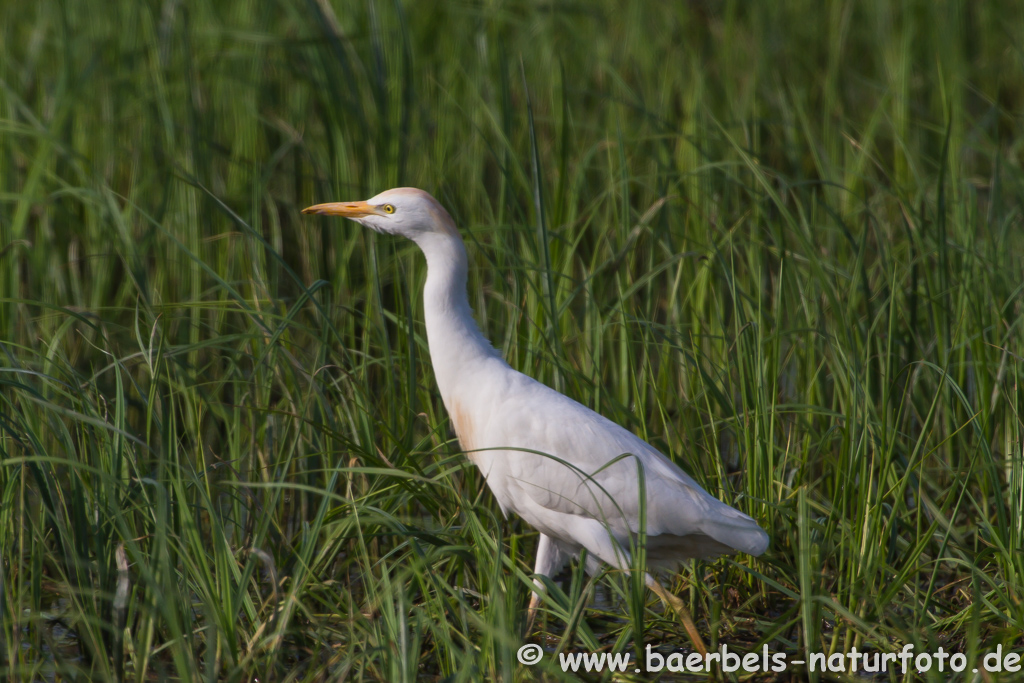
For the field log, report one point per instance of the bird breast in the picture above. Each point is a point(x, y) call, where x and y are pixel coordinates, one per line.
point(465, 426)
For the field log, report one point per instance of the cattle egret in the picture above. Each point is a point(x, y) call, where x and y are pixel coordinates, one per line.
point(545, 456)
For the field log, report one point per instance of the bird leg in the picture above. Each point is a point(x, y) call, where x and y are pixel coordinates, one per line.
point(531, 612)
point(551, 556)
point(679, 608)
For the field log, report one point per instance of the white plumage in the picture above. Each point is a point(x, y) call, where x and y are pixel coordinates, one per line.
point(545, 456)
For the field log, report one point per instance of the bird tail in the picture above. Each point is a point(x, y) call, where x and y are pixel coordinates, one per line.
point(738, 531)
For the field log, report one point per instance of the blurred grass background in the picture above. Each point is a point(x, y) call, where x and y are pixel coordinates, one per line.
point(781, 241)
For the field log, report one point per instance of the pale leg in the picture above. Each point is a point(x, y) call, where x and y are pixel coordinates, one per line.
point(550, 558)
point(677, 606)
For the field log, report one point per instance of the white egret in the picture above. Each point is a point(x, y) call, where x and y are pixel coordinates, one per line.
point(545, 456)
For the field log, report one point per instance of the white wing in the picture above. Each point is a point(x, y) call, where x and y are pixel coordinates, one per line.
point(565, 491)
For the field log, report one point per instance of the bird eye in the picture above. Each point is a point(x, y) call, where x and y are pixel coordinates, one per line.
point(389, 208)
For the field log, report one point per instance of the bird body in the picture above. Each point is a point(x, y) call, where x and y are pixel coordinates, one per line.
point(569, 472)
point(573, 473)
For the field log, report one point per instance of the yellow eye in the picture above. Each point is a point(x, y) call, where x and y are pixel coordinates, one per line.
point(388, 208)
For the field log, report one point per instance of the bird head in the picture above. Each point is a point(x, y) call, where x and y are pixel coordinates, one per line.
point(404, 211)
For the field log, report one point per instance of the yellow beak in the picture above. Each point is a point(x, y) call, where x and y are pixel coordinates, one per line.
point(345, 209)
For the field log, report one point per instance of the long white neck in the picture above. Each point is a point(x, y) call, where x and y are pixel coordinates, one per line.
point(456, 343)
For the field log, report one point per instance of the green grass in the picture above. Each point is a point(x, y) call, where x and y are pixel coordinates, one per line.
point(781, 241)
